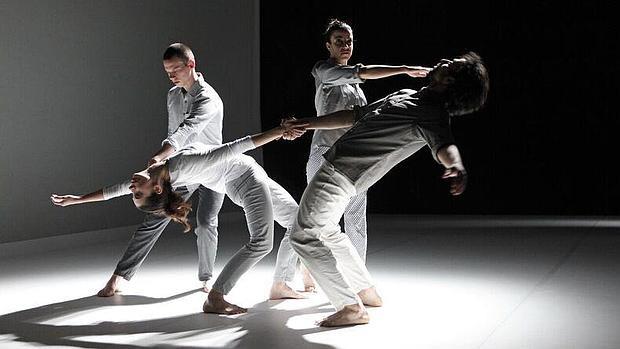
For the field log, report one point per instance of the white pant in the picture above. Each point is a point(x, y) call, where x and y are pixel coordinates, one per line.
point(355, 212)
point(328, 254)
point(263, 201)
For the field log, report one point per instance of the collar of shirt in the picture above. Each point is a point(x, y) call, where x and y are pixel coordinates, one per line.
point(199, 83)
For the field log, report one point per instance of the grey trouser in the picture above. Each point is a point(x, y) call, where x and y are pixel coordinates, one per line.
point(143, 240)
point(262, 200)
point(328, 254)
point(354, 213)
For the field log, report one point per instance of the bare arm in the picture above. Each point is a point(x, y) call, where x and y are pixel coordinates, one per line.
point(339, 119)
point(455, 173)
point(68, 200)
point(163, 153)
point(275, 133)
point(383, 71)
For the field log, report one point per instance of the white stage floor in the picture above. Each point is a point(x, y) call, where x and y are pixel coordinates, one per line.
point(447, 283)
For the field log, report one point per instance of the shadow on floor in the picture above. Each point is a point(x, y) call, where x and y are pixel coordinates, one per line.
point(261, 327)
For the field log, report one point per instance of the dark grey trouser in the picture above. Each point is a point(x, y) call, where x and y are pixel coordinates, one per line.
point(143, 240)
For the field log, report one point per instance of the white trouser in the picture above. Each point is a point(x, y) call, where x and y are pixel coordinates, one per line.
point(263, 201)
point(328, 254)
point(354, 214)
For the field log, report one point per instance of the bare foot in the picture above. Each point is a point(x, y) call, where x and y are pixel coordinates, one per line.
point(308, 280)
point(280, 290)
point(353, 314)
point(215, 303)
point(110, 288)
point(370, 297)
point(205, 287)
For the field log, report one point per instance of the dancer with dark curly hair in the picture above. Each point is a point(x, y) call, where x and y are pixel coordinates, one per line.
point(381, 135)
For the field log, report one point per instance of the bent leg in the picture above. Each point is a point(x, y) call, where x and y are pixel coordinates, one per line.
point(253, 195)
point(326, 252)
point(285, 210)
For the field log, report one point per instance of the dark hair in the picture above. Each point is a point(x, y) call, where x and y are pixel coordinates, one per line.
point(169, 204)
point(178, 50)
point(333, 25)
point(469, 91)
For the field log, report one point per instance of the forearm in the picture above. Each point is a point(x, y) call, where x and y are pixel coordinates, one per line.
point(339, 119)
point(450, 157)
point(91, 197)
point(263, 138)
point(164, 152)
point(68, 200)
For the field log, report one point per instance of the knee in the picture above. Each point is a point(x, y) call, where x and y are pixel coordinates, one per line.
point(262, 246)
point(296, 240)
point(206, 220)
point(206, 231)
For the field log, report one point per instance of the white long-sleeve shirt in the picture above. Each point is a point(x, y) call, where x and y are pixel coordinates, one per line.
point(194, 116)
point(337, 88)
point(208, 165)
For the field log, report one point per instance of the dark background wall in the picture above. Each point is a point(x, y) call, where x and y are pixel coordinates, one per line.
point(544, 144)
point(83, 98)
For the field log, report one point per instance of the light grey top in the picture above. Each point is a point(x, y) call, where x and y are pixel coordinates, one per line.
point(387, 132)
point(208, 165)
point(194, 115)
point(337, 88)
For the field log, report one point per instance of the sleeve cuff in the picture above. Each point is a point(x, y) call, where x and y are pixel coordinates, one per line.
point(359, 66)
point(171, 142)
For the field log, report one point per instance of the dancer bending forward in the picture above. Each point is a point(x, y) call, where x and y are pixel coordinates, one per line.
point(223, 169)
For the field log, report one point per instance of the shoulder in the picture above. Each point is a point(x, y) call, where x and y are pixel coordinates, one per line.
point(174, 90)
point(206, 93)
point(322, 65)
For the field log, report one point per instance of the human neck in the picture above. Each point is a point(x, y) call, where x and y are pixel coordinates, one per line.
point(191, 81)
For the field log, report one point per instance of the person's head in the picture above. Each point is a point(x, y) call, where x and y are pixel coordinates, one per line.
point(180, 64)
point(465, 82)
point(152, 193)
point(338, 38)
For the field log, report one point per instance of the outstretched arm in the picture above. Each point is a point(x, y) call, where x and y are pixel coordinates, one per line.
point(275, 133)
point(68, 200)
point(383, 71)
point(339, 119)
point(455, 173)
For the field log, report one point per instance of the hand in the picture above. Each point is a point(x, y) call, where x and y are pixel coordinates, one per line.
point(65, 200)
point(292, 128)
point(418, 72)
point(457, 179)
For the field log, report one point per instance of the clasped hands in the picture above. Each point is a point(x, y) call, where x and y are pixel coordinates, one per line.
point(292, 128)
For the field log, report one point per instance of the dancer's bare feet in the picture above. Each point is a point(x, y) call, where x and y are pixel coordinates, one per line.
point(309, 285)
point(370, 297)
point(280, 290)
point(215, 303)
point(111, 287)
point(353, 314)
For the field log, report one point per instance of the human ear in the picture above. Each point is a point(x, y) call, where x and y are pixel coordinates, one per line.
point(158, 189)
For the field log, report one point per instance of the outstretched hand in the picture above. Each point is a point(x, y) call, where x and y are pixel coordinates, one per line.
point(65, 200)
point(293, 128)
point(418, 72)
point(457, 179)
